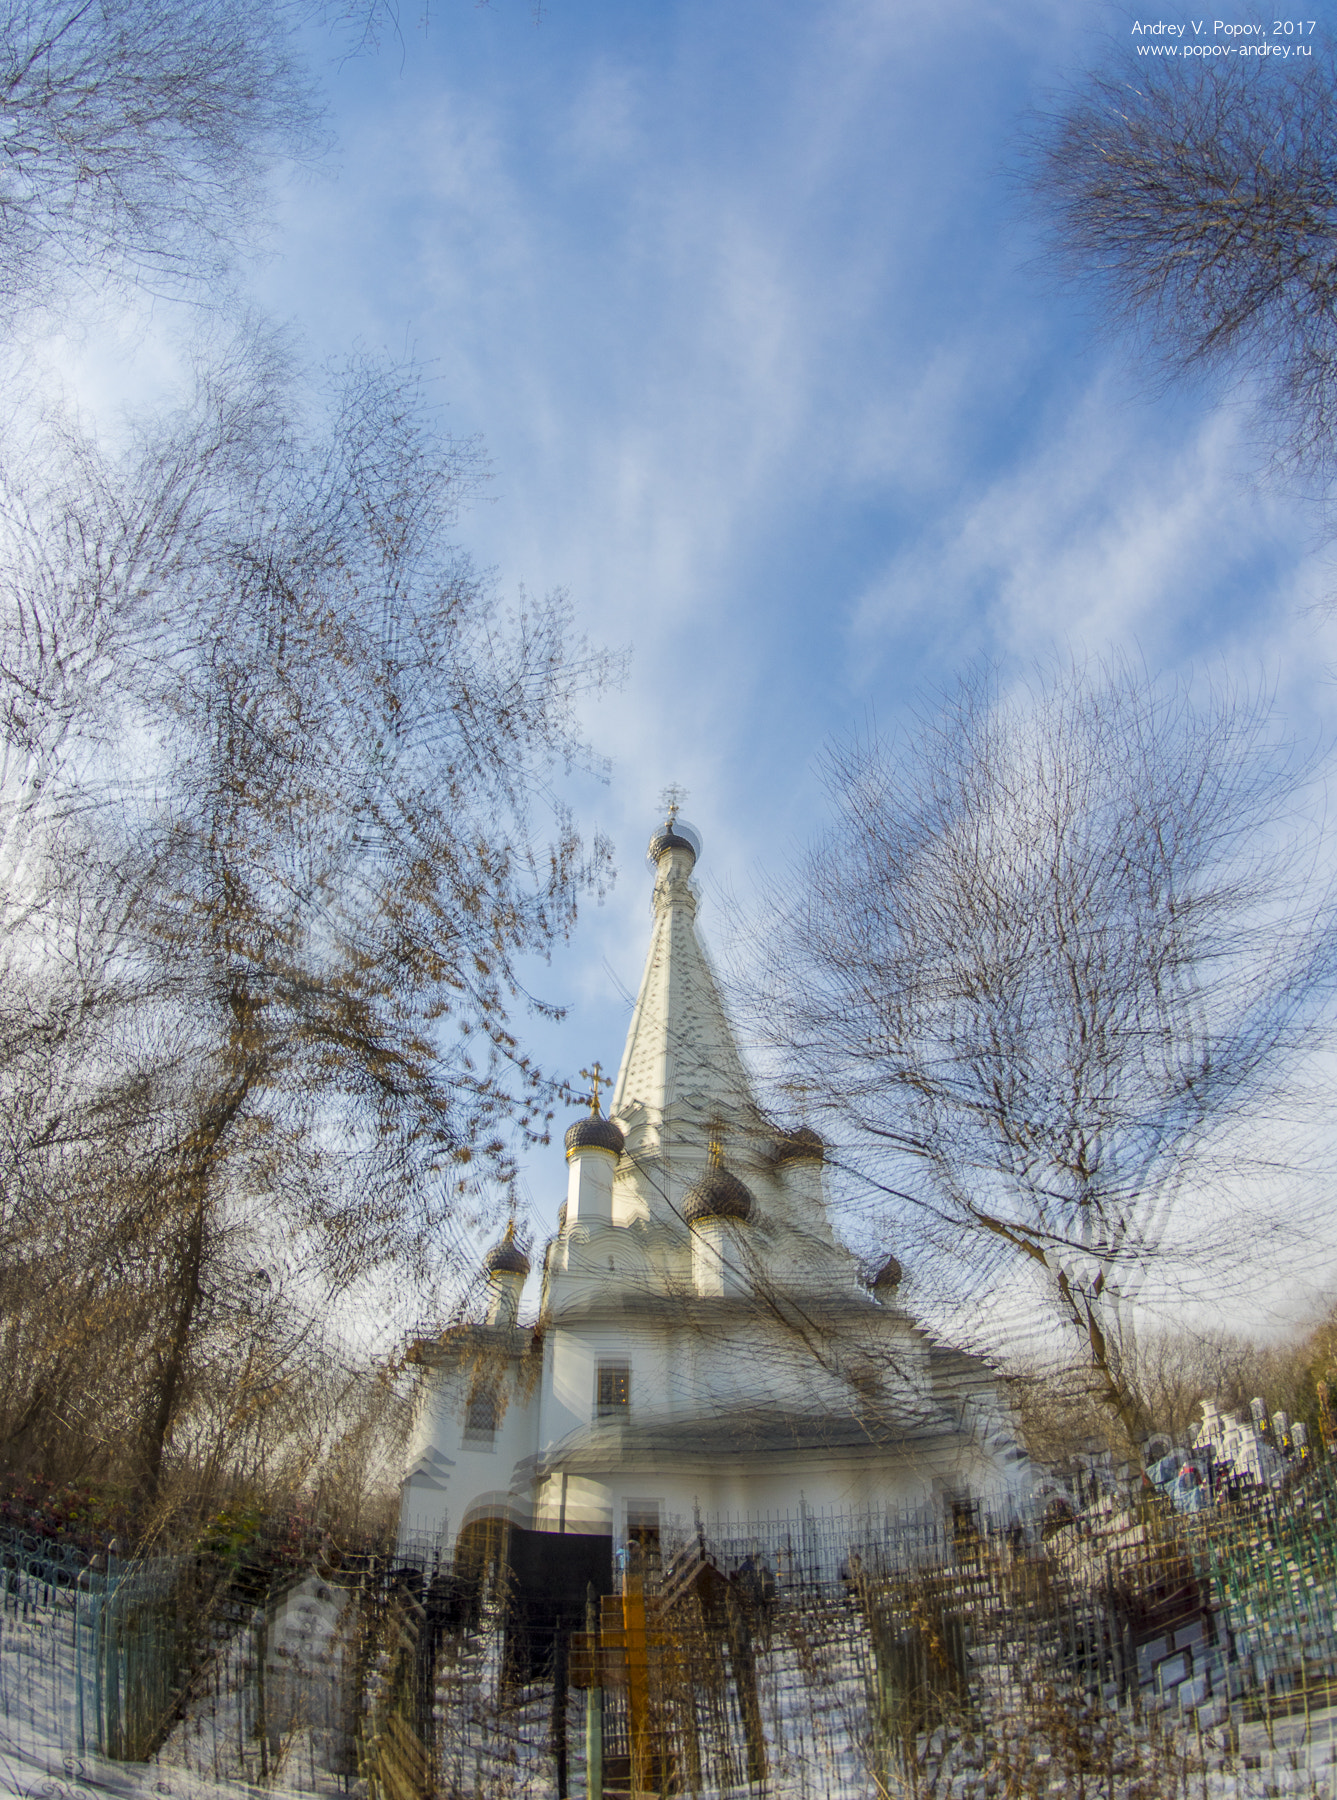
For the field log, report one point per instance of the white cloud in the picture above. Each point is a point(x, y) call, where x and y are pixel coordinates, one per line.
point(603, 125)
point(1101, 534)
point(734, 296)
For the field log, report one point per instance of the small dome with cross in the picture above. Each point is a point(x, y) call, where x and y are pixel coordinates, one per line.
point(717, 1195)
point(507, 1258)
point(594, 1133)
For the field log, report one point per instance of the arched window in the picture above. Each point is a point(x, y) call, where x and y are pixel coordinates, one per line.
point(480, 1421)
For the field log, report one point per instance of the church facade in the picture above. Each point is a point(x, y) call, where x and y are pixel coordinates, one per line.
point(707, 1349)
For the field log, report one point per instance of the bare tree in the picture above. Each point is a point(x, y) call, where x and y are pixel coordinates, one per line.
point(1201, 200)
point(137, 135)
point(271, 755)
point(1171, 1372)
point(294, 747)
point(1049, 948)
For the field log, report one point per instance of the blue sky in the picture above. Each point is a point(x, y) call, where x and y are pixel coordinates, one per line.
point(745, 301)
point(746, 304)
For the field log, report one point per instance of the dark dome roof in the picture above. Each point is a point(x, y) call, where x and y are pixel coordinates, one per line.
point(506, 1258)
point(800, 1145)
point(889, 1275)
point(669, 839)
point(718, 1195)
point(594, 1133)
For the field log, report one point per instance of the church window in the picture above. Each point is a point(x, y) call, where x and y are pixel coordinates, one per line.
point(613, 1394)
point(480, 1422)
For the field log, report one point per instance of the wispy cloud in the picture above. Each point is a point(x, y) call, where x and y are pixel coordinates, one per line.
point(739, 298)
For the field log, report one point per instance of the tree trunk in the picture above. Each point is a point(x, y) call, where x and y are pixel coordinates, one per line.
point(193, 1181)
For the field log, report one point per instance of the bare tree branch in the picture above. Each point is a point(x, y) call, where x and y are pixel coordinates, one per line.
point(277, 764)
point(1049, 949)
point(135, 137)
point(1201, 202)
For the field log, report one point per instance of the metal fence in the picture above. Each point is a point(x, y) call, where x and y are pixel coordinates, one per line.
point(100, 1644)
point(211, 1667)
point(810, 1656)
point(976, 1651)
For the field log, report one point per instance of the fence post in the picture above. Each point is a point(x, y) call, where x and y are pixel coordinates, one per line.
point(594, 1706)
point(79, 1666)
point(559, 1685)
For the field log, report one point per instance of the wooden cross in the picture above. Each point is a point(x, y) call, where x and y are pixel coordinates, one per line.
point(632, 1650)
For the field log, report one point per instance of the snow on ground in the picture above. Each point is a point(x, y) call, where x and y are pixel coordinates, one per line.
point(214, 1752)
point(48, 1736)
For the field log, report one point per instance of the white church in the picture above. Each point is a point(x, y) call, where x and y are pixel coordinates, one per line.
point(707, 1352)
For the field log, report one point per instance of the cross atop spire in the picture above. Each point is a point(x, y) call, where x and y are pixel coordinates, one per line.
point(671, 800)
point(597, 1079)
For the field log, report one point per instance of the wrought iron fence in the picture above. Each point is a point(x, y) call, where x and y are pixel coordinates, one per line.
point(125, 1626)
point(807, 1654)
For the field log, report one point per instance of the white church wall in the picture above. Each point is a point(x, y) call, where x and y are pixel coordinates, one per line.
point(726, 1337)
point(568, 1401)
point(589, 1188)
point(722, 1496)
point(424, 1514)
point(456, 1470)
point(650, 1197)
point(571, 1398)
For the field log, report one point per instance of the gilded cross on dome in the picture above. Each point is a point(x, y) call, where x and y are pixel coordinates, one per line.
point(597, 1079)
point(671, 800)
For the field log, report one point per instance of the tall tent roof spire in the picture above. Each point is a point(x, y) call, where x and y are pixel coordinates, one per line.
point(681, 1058)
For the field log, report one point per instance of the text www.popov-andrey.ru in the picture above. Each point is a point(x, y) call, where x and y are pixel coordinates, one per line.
point(1221, 37)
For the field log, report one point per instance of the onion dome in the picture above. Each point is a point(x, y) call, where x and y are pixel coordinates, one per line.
point(669, 839)
point(718, 1195)
point(888, 1277)
point(594, 1133)
point(800, 1145)
point(507, 1258)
